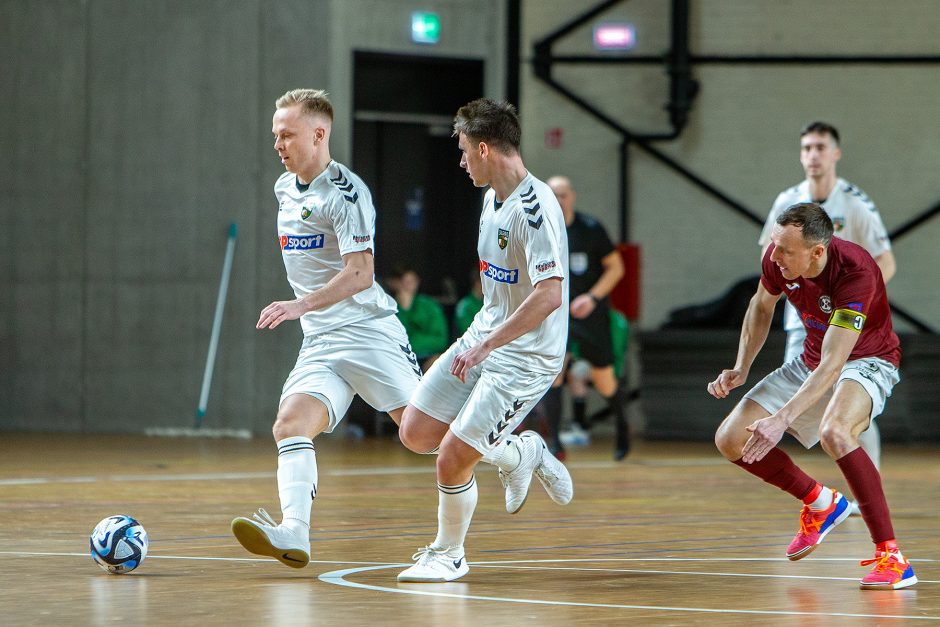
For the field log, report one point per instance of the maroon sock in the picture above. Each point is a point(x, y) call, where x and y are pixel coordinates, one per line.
point(865, 482)
point(776, 468)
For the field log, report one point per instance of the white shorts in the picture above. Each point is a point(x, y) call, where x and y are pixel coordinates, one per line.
point(877, 376)
point(493, 402)
point(371, 358)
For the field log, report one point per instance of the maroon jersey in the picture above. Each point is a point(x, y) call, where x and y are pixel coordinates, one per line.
point(849, 293)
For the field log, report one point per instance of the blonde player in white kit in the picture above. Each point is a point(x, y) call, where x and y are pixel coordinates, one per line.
point(482, 387)
point(854, 218)
point(353, 342)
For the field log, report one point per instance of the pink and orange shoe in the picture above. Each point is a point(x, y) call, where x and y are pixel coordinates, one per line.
point(891, 572)
point(814, 526)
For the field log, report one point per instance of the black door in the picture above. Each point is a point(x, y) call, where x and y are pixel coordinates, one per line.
point(426, 206)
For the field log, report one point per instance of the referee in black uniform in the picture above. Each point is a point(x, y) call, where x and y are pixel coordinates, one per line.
point(595, 268)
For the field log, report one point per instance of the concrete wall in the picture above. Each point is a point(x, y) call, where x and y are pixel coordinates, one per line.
point(743, 132)
point(134, 132)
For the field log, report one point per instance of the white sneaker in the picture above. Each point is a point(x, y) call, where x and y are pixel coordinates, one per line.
point(436, 565)
point(263, 536)
point(574, 436)
point(517, 481)
point(853, 509)
point(552, 474)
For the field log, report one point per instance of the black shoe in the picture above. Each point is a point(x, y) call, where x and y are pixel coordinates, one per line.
point(622, 441)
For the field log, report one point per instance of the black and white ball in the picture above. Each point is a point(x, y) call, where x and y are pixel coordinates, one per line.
point(119, 544)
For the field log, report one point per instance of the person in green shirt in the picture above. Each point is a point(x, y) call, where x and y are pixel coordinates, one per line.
point(422, 316)
point(468, 306)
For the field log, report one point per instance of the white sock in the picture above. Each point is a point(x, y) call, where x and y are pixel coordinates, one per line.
point(505, 455)
point(454, 511)
point(823, 501)
point(296, 479)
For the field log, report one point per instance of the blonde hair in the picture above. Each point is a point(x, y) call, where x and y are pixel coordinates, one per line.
point(313, 101)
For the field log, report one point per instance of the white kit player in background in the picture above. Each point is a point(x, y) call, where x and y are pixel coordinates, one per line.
point(482, 387)
point(353, 342)
point(854, 218)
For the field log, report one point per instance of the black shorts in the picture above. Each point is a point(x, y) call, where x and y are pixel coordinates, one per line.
point(590, 338)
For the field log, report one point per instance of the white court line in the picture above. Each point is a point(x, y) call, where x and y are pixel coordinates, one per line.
point(337, 577)
point(340, 472)
point(151, 556)
point(677, 559)
point(215, 476)
point(209, 476)
point(494, 564)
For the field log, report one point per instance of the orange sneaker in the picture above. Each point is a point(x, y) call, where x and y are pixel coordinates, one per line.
point(891, 572)
point(814, 526)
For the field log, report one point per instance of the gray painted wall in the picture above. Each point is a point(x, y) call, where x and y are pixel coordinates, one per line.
point(134, 132)
point(743, 132)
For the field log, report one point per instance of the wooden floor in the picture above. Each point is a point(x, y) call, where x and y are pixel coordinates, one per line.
point(673, 535)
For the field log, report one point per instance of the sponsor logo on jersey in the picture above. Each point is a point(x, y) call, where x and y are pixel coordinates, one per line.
point(825, 303)
point(305, 212)
point(812, 323)
point(856, 306)
point(301, 242)
point(544, 266)
point(500, 275)
point(502, 238)
point(792, 286)
point(361, 239)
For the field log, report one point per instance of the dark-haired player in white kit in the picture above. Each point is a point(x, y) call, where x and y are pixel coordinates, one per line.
point(854, 217)
point(353, 342)
point(483, 386)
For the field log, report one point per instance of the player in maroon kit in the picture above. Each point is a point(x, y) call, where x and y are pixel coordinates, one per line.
point(829, 394)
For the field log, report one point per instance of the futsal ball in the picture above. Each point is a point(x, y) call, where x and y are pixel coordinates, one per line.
point(119, 544)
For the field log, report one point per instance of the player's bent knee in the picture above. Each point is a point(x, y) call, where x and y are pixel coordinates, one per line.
point(414, 438)
point(836, 440)
point(290, 424)
point(728, 443)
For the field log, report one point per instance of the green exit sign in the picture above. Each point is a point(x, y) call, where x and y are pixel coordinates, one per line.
point(425, 27)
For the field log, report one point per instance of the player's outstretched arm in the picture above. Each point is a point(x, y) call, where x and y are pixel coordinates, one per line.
point(544, 299)
point(837, 346)
point(357, 275)
point(760, 313)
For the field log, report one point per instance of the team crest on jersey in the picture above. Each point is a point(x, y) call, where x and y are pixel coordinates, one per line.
point(838, 224)
point(502, 238)
point(825, 303)
point(305, 212)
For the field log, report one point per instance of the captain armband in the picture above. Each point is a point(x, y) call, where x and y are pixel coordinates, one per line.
point(847, 319)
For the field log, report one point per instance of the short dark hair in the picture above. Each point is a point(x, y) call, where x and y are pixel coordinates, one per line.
point(401, 269)
point(812, 219)
point(822, 128)
point(492, 122)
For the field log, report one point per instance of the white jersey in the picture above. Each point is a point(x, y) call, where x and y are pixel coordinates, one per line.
point(522, 242)
point(319, 223)
point(854, 218)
